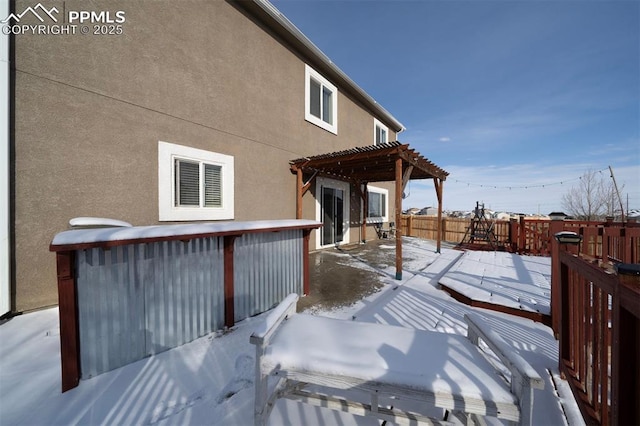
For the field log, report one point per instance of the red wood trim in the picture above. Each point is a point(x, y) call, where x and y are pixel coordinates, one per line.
point(299, 193)
point(365, 211)
point(229, 308)
point(183, 237)
point(522, 240)
point(306, 280)
point(463, 298)
point(68, 313)
point(556, 294)
point(588, 413)
point(625, 386)
point(438, 183)
point(595, 274)
point(398, 205)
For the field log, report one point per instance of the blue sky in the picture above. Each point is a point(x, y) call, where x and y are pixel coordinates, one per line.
point(507, 96)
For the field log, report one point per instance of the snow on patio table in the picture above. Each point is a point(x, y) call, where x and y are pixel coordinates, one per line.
point(355, 353)
point(502, 278)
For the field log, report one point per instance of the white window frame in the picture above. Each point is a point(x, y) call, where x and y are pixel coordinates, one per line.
point(346, 209)
point(378, 125)
point(309, 74)
point(167, 210)
point(378, 219)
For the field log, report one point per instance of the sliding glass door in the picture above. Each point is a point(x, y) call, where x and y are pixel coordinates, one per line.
point(332, 212)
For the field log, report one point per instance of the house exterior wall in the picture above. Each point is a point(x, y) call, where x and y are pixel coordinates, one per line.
point(91, 109)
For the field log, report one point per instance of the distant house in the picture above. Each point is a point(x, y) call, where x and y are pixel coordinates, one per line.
point(412, 211)
point(429, 211)
point(502, 216)
point(182, 113)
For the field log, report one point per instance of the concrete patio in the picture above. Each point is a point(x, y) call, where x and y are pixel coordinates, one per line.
point(344, 275)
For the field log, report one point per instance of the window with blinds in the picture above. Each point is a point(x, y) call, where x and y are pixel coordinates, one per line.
point(194, 184)
point(197, 184)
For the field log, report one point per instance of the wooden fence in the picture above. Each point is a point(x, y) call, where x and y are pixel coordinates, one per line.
point(530, 235)
point(596, 318)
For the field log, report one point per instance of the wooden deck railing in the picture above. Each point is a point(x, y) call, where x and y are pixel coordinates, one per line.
point(596, 318)
point(595, 311)
point(534, 236)
point(599, 333)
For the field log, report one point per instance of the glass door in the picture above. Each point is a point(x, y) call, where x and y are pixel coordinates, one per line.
point(332, 213)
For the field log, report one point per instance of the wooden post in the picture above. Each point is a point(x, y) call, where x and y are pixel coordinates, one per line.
point(438, 183)
point(409, 225)
point(68, 316)
point(306, 280)
point(299, 185)
point(229, 308)
point(365, 212)
point(625, 388)
point(555, 226)
point(398, 206)
point(444, 228)
point(522, 240)
point(513, 234)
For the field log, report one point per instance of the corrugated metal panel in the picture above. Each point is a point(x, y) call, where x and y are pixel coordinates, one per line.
point(110, 310)
point(267, 267)
point(142, 299)
point(187, 300)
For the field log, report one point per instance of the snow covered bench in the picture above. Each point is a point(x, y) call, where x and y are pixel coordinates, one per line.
point(313, 359)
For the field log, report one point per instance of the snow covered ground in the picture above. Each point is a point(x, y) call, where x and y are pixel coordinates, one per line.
point(210, 380)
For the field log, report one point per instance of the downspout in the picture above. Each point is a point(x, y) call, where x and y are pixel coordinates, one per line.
point(5, 201)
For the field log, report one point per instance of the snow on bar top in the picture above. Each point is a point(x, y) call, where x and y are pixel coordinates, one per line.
point(98, 235)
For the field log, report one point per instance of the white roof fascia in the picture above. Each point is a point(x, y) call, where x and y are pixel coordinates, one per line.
point(293, 30)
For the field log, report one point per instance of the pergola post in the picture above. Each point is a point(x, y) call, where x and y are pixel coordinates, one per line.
point(299, 190)
point(398, 214)
point(379, 163)
point(365, 211)
point(439, 183)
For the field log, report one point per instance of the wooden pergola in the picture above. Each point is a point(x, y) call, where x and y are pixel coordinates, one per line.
point(376, 163)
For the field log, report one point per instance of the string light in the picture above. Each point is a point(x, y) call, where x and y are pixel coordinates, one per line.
point(542, 185)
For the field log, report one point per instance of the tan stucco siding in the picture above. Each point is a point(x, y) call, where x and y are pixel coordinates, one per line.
point(90, 110)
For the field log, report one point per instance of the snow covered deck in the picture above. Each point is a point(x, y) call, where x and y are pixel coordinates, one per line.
point(501, 281)
point(434, 369)
point(211, 380)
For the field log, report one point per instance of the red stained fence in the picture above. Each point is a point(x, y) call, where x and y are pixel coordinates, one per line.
point(534, 236)
point(596, 317)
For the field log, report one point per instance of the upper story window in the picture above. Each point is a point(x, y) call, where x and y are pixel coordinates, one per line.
point(321, 101)
point(194, 184)
point(380, 133)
